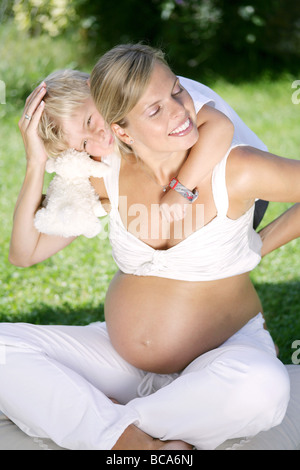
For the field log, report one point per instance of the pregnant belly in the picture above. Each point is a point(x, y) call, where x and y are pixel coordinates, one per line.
point(161, 325)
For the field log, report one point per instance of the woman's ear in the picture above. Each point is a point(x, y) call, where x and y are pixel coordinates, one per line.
point(121, 133)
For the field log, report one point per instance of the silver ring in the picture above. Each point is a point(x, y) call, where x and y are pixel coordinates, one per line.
point(28, 117)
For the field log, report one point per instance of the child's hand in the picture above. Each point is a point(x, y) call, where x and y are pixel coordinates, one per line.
point(173, 206)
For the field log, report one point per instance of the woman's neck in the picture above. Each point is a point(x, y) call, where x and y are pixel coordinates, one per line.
point(165, 167)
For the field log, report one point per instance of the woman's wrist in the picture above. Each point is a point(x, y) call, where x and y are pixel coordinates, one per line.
point(31, 191)
point(35, 165)
point(34, 175)
point(281, 230)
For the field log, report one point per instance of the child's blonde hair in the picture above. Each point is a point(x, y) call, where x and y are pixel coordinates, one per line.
point(120, 78)
point(67, 90)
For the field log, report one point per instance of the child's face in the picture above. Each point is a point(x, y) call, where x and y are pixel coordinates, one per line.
point(88, 131)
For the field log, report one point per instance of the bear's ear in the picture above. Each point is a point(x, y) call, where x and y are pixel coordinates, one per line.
point(50, 165)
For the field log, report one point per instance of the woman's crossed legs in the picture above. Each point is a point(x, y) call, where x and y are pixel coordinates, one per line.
point(56, 380)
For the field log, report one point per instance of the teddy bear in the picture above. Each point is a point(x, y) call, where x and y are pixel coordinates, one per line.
point(71, 206)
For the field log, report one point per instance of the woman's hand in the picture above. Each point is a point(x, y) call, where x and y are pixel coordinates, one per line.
point(173, 206)
point(28, 125)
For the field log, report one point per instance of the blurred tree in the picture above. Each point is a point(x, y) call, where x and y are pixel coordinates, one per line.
point(186, 29)
point(111, 23)
point(52, 17)
point(236, 38)
point(6, 10)
point(257, 36)
point(190, 33)
point(282, 34)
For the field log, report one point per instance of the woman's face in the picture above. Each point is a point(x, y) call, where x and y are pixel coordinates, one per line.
point(164, 119)
point(87, 131)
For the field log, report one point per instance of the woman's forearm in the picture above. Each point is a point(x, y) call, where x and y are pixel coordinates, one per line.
point(25, 237)
point(28, 246)
point(282, 230)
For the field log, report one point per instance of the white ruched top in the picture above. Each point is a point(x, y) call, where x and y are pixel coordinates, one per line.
point(220, 249)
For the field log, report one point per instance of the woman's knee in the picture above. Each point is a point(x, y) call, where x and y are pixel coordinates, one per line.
point(264, 389)
point(275, 390)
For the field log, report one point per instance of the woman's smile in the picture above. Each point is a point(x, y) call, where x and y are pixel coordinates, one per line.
point(183, 129)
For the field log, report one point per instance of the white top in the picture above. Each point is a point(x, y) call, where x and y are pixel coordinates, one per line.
point(220, 249)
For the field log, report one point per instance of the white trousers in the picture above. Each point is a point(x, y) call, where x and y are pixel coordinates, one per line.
point(55, 382)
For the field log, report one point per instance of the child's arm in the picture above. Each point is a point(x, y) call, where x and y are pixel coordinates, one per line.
point(215, 136)
point(281, 231)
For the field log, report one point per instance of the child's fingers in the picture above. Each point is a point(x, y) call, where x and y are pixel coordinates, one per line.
point(173, 213)
point(179, 211)
point(165, 212)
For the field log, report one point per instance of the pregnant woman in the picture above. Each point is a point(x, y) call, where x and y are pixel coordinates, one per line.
point(183, 358)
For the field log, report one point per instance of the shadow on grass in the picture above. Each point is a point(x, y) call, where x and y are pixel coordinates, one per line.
point(281, 305)
point(44, 314)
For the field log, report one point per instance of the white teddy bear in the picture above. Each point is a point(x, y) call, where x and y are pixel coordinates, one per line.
point(71, 206)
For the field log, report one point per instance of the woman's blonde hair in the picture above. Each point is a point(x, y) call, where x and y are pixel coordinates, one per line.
point(120, 78)
point(67, 90)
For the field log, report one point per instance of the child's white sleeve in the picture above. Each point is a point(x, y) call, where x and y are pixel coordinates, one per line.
point(202, 94)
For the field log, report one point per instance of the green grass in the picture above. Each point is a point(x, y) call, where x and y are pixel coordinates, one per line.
point(70, 287)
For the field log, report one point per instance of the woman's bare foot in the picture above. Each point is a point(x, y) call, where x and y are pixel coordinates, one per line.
point(135, 439)
point(175, 445)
